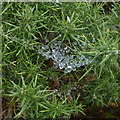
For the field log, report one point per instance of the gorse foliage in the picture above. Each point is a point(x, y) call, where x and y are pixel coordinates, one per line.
point(79, 38)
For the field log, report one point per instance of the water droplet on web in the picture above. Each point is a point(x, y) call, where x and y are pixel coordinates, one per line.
point(68, 50)
point(90, 60)
point(79, 64)
point(39, 51)
point(61, 65)
point(74, 69)
point(46, 47)
point(68, 19)
point(43, 47)
point(78, 36)
point(93, 41)
point(82, 64)
point(65, 48)
point(60, 58)
point(46, 40)
point(55, 43)
point(53, 50)
point(84, 43)
point(67, 70)
point(44, 54)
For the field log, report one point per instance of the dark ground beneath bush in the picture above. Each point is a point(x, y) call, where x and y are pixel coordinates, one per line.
point(110, 112)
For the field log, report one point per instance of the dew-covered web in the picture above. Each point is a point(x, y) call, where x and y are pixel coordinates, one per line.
point(63, 56)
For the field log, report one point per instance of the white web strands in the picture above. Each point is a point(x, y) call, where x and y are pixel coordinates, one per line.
point(63, 57)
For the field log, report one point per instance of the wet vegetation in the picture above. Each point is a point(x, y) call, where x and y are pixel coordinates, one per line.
point(61, 60)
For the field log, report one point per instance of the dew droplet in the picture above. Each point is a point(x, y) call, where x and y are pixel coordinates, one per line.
point(61, 65)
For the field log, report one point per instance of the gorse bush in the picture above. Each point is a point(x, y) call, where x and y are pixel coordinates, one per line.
point(99, 92)
point(80, 40)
